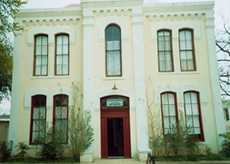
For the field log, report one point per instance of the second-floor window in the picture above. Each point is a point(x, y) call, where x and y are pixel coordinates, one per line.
point(62, 54)
point(165, 58)
point(113, 50)
point(187, 54)
point(41, 55)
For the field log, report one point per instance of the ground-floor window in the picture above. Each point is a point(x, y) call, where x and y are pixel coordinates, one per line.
point(61, 117)
point(169, 112)
point(193, 114)
point(38, 119)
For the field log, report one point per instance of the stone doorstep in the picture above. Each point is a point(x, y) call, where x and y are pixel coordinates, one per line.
point(132, 161)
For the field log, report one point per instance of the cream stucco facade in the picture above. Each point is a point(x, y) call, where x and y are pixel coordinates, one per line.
point(139, 22)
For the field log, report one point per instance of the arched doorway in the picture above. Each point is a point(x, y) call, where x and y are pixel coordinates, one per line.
point(115, 127)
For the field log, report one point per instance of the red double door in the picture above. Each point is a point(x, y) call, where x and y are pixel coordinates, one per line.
point(115, 132)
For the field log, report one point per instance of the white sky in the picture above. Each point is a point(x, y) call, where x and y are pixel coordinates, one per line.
point(222, 9)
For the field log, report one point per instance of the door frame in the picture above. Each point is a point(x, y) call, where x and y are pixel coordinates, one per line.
point(115, 112)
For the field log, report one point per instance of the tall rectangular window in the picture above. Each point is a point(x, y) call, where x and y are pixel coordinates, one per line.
point(169, 112)
point(38, 119)
point(113, 50)
point(62, 54)
point(61, 117)
point(165, 57)
point(41, 55)
point(226, 114)
point(193, 114)
point(187, 53)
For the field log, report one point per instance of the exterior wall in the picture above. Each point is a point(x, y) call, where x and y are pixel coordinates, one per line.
point(178, 81)
point(141, 81)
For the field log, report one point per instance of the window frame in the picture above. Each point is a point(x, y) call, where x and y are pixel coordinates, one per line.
point(199, 137)
point(31, 117)
point(226, 114)
point(66, 119)
point(176, 110)
point(171, 45)
point(192, 50)
point(55, 56)
point(106, 64)
point(35, 50)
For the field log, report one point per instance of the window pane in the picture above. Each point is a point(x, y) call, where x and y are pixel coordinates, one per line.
point(62, 54)
point(44, 60)
point(166, 122)
point(113, 50)
point(44, 50)
point(164, 51)
point(186, 50)
point(65, 59)
point(61, 117)
point(59, 49)
point(40, 52)
point(39, 41)
point(65, 69)
point(113, 63)
point(169, 112)
point(38, 60)
point(38, 119)
point(65, 49)
point(192, 112)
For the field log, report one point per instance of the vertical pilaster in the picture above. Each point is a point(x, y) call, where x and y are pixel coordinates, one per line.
point(215, 88)
point(88, 25)
point(87, 57)
point(139, 80)
point(15, 100)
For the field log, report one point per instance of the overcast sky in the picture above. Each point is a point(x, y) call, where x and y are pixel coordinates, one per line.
point(221, 8)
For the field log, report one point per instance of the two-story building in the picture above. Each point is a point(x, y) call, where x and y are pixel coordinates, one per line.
point(123, 55)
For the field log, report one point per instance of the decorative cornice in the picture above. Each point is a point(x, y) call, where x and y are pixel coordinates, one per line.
point(48, 20)
point(119, 11)
point(175, 15)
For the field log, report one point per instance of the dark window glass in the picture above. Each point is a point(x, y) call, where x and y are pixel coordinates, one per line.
point(113, 51)
point(61, 117)
point(38, 120)
point(62, 54)
point(41, 55)
point(165, 60)
point(226, 114)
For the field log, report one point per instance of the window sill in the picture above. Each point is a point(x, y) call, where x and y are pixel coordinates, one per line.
point(114, 78)
point(180, 73)
point(50, 77)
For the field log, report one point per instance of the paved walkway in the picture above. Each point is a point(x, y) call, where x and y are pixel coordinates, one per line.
point(131, 161)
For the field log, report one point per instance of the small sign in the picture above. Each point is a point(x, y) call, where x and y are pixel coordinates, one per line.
point(114, 102)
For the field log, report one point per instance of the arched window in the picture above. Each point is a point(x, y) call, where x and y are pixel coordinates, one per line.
point(187, 53)
point(41, 55)
point(60, 119)
point(193, 117)
point(62, 54)
point(38, 119)
point(169, 112)
point(113, 50)
point(165, 53)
